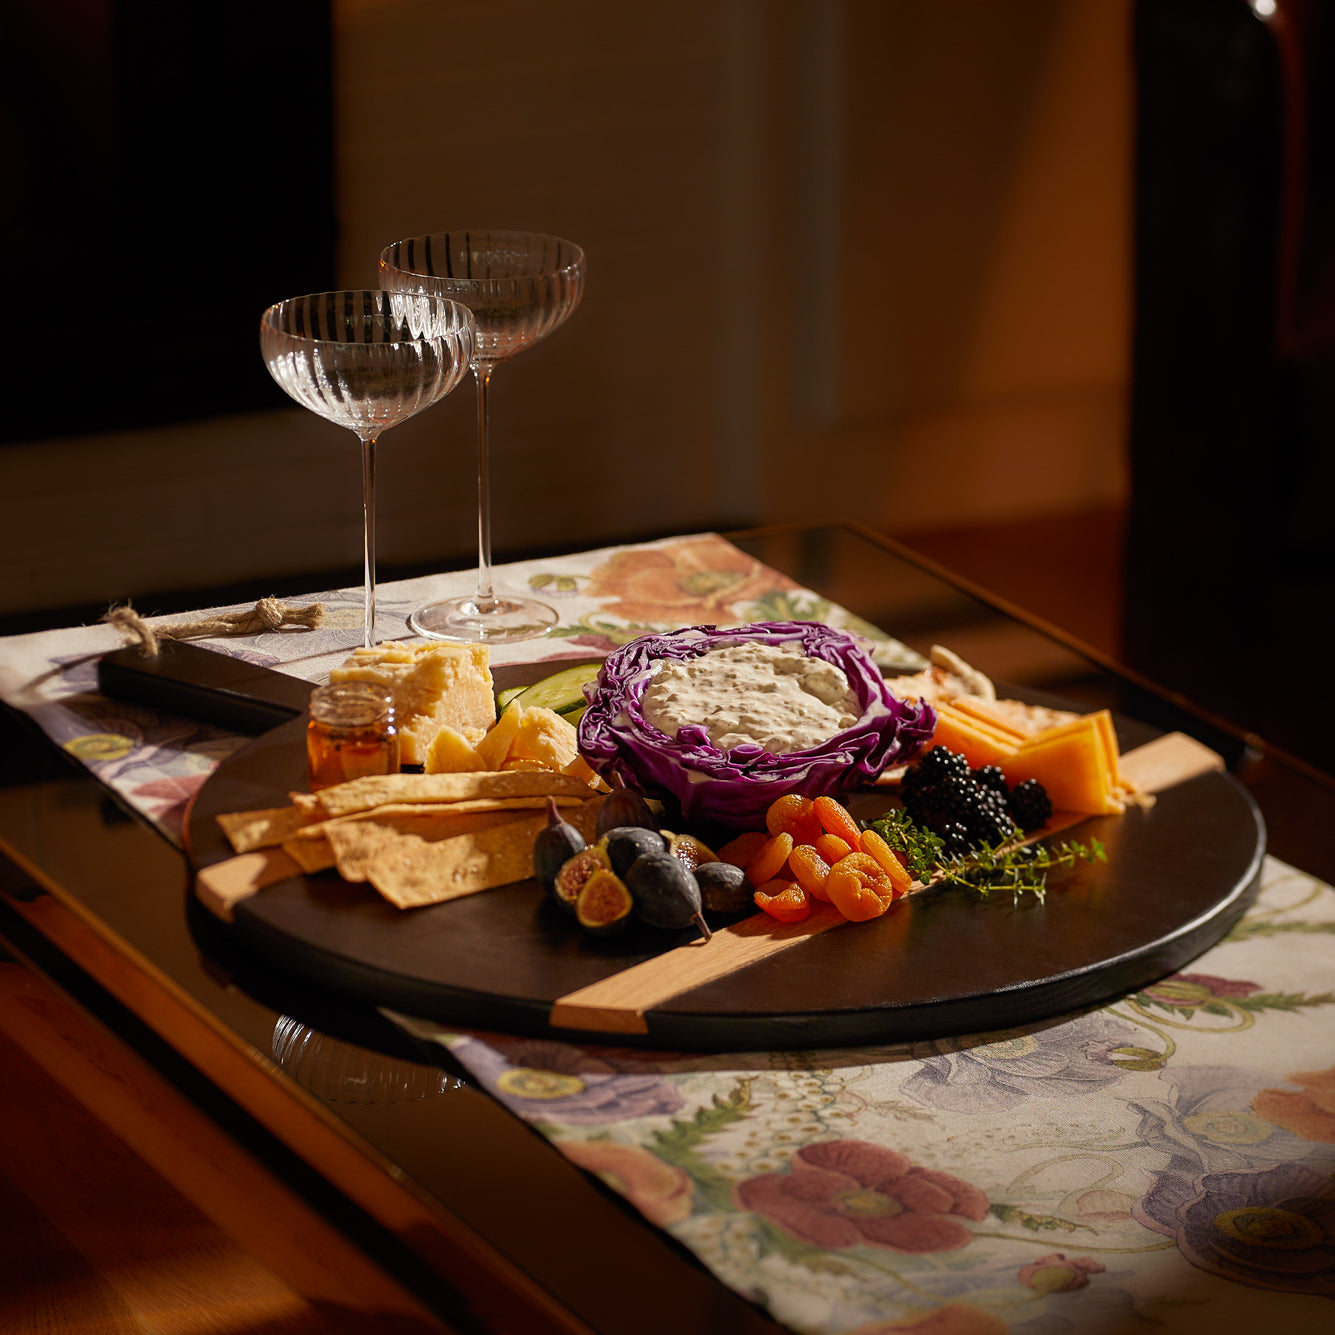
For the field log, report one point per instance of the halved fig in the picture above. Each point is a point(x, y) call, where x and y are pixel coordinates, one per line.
point(574, 872)
point(604, 904)
point(690, 850)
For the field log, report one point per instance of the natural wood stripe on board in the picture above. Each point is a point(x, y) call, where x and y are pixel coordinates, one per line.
point(617, 1005)
point(225, 884)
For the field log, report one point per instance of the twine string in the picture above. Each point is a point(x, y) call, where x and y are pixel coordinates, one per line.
point(269, 614)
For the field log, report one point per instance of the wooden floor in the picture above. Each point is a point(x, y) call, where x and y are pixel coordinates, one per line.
point(93, 1241)
point(96, 1243)
point(125, 1211)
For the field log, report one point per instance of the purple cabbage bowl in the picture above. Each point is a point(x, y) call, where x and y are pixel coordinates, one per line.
point(735, 788)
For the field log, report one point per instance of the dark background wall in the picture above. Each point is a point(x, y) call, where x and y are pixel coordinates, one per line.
point(1230, 541)
point(167, 169)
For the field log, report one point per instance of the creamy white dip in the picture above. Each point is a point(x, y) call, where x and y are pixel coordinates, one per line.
point(770, 695)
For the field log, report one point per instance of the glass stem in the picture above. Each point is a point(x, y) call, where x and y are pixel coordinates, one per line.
point(368, 534)
point(485, 597)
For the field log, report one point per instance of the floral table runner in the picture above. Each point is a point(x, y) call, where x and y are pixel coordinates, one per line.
point(156, 762)
point(1164, 1163)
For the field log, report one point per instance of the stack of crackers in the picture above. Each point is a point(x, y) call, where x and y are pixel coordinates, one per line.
point(415, 838)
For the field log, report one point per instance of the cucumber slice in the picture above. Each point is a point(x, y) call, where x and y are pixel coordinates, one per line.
point(504, 697)
point(563, 691)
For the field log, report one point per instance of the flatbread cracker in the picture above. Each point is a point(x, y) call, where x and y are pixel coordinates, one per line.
point(311, 855)
point(381, 789)
point(268, 828)
point(410, 870)
point(419, 873)
point(431, 823)
point(423, 811)
point(392, 854)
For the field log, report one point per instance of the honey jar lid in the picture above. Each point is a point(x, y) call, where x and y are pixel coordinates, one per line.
point(351, 704)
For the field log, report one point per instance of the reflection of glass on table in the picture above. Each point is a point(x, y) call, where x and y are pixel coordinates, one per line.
point(341, 1072)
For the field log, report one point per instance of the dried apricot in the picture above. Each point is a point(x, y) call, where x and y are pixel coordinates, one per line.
point(859, 888)
point(769, 861)
point(810, 869)
point(832, 848)
point(887, 860)
point(797, 815)
point(834, 818)
point(783, 900)
point(741, 850)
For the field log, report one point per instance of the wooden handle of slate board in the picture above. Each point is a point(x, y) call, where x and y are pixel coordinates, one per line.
point(1171, 759)
point(617, 1004)
point(225, 884)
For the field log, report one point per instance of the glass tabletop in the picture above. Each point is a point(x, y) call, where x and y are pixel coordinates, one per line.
point(425, 1166)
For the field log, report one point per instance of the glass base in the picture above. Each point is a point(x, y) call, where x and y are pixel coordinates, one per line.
point(499, 621)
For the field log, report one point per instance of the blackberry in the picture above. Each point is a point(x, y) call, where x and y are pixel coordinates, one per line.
point(991, 827)
point(937, 764)
point(990, 776)
point(954, 838)
point(923, 807)
point(989, 819)
point(1029, 805)
point(972, 813)
point(960, 799)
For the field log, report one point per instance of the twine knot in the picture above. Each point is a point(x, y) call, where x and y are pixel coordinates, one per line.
point(269, 614)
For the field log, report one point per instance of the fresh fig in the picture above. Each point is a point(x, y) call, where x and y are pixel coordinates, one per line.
point(626, 842)
point(665, 892)
point(603, 905)
point(574, 872)
point(623, 806)
point(724, 888)
point(554, 845)
point(690, 850)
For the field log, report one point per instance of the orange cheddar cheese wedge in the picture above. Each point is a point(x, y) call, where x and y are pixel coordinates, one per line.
point(985, 712)
point(979, 742)
point(1075, 762)
point(1102, 721)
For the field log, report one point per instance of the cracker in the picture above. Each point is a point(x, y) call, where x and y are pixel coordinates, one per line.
point(311, 855)
point(248, 830)
point(429, 822)
point(410, 870)
point(413, 872)
point(382, 789)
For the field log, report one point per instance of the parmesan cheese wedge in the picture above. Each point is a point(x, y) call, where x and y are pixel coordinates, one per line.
point(434, 686)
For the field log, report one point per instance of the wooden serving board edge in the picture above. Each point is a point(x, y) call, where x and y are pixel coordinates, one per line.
point(618, 1004)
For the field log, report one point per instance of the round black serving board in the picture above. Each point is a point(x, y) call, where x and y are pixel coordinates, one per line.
point(1178, 874)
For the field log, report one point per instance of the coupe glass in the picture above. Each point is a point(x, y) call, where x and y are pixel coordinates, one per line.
point(367, 361)
point(519, 286)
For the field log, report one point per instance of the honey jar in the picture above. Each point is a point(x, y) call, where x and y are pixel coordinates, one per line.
point(351, 733)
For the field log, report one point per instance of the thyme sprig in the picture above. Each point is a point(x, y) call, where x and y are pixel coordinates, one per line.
point(1013, 865)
